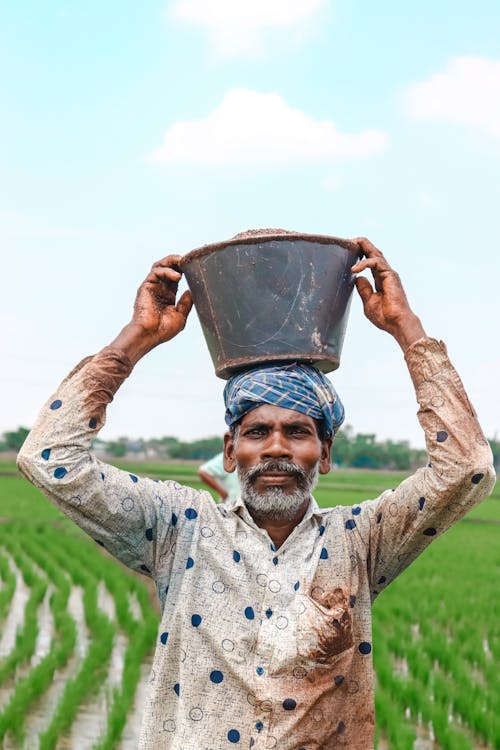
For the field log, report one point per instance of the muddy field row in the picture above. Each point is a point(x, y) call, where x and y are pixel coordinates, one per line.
point(75, 644)
point(77, 632)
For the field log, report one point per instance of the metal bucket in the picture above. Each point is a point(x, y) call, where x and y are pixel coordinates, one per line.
point(270, 296)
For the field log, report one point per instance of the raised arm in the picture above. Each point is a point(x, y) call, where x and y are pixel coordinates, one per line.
point(133, 518)
point(390, 531)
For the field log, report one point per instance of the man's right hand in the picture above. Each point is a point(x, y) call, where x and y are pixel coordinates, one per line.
point(157, 317)
point(155, 309)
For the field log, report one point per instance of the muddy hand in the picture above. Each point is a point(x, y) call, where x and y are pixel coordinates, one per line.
point(156, 310)
point(157, 316)
point(386, 305)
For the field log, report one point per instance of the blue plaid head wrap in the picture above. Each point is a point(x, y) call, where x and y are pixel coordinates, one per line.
point(298, 387)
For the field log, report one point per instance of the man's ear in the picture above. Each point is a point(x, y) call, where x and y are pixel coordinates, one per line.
point(229, 459)
point(325, 461)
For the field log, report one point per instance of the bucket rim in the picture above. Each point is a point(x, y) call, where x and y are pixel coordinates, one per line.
point(323, 361)
point(265, 238)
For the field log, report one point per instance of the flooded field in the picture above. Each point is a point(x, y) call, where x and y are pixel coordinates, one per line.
point(77, 632)
point(75, 647)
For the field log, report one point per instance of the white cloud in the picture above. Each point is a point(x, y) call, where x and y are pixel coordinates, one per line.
point(467, 92)
point(261, 129)
point(239, 27)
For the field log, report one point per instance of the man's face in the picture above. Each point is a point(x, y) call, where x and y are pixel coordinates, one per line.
point(278, 454)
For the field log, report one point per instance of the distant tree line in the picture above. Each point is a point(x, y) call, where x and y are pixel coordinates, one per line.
point(163, 448)
point(350, 449)
point(12, 441)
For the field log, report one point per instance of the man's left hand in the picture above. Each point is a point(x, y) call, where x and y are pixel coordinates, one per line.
point(386, 306)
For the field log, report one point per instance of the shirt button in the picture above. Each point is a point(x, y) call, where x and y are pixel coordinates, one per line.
point(260, 670)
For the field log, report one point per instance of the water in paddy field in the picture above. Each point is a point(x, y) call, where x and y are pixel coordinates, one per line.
point(426, 740)
point(130, 736)
point(45, 630)
point(13, 621)
point(15, 618)
point(91, 720)
point(41, 712)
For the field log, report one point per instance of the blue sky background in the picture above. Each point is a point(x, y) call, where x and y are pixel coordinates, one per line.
point(129, 131)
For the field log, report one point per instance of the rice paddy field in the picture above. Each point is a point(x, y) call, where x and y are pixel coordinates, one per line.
point(77, 629)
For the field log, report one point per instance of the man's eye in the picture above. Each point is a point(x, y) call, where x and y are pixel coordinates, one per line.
point(255, 432)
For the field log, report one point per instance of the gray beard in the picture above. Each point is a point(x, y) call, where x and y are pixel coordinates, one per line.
point(274, 504)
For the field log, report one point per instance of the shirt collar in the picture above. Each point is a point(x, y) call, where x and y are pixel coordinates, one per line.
point(237, 505)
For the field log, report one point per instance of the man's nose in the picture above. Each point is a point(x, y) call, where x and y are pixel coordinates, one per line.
point(276, 446)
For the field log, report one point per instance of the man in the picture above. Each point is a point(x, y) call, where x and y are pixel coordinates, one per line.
point(265, 636)
point(214, 475)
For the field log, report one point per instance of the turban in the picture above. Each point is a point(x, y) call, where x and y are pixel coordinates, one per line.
point(298, 387)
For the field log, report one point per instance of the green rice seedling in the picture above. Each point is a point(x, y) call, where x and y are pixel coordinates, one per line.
point(414, 697)
point(27, 634)
point(136, 651)
point(482, 722)
point(443, 600)
point(141, 637)
point(29, 688)
point(8, 587)
point(494, 734)
point(419, 665)
point(93, 669)
point(478, 707)
point(140, 644)
point(400, 734)
point(91, 673)
point(141, 634)
point(123, 698)
point(441, 610)
point(438, 717)
point(452, 739)
point(399, 640)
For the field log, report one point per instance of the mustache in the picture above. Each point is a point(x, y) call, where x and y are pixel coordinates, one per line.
point(271, 466)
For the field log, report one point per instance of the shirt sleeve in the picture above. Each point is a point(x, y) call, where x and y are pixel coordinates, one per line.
point(134, 518)
point(392, 530)
point(215, 466)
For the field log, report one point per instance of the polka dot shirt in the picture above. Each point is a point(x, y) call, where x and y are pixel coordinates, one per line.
point(259, 647)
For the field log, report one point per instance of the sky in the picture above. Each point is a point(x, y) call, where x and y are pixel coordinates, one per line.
point(129, 131)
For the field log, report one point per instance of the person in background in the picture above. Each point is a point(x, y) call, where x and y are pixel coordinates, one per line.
point(213, 474)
